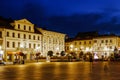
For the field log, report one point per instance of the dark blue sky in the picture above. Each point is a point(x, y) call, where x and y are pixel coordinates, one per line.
point(66, 16)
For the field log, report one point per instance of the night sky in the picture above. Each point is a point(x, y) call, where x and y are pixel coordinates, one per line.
point(66, 16)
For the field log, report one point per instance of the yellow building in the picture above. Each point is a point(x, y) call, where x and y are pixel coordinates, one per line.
point(101, 45)
point(77, 46)
point(21, 36)
point(104, 45)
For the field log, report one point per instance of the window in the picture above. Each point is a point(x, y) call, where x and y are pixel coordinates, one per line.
point(8, 44)
point(34, 37)
point(110, 41)
point(29, 45)
point(18, 44)
point(24, 36)
point(18, 26)
point(102, 41)
point(7, 34)
point(13, 45)
point(24, 27)
point(95, 41)
point(13, 34)
point(38, 38)
point(29, 28)
point(89, 42)
point(106, 41)
point(0, 34)
point(75, 43)
point(38, 45)
point(18, 35)
point(110, 47)
point(34, 46)
point(29, 36)
point(79, 43)
point(85, 42)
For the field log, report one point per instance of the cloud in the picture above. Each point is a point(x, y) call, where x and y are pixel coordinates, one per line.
point(83, 22)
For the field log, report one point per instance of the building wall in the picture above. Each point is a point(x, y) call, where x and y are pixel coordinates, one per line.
point(100, 45)
point(52, 41)
point(24, 38)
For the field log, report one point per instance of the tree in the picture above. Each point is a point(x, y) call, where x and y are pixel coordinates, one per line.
point(50, 53)
point(62, 53)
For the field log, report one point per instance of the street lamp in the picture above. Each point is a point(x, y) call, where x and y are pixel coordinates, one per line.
point(71, 47)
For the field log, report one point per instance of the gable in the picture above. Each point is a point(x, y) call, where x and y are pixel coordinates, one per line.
point(23, 21)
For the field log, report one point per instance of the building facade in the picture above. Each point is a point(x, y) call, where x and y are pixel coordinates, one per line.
point(23, 37)
point(101, 45)
point(52, 41)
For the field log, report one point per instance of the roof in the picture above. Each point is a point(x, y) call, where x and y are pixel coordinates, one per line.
point(86, 35)
point(5, 23)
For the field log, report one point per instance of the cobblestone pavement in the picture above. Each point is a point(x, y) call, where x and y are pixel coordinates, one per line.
point(62, 71)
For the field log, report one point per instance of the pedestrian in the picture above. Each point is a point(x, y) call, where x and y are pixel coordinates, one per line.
point(91, 58)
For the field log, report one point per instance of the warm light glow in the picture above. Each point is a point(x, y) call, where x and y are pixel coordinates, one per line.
point(1, 52)
point(71, 49)
point(21, 45)
point(105, 48)
point(81, 47)
point(57, 48)
point(95, 56)
point(0, 47)
point(76, 49)
point(91, 49)
point(87, 48)
point(71, 46)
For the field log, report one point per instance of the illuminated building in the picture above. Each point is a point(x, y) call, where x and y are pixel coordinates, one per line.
point(52, 41)
point(99, 45)
point(21, 36)
point(105, 45)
